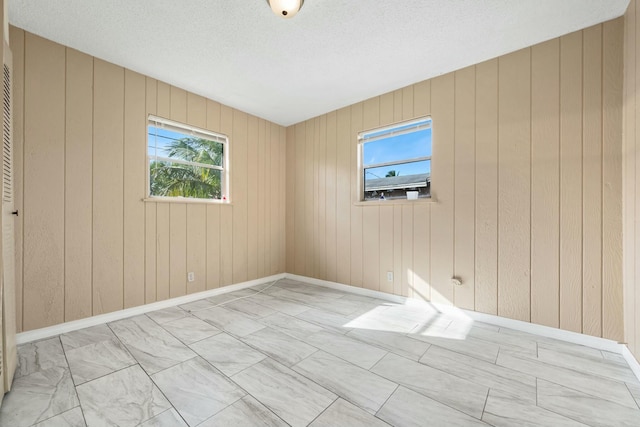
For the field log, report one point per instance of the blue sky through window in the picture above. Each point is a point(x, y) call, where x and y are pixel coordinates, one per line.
point(397, 148)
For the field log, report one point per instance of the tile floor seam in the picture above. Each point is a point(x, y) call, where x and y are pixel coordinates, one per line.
point(167, 399)
point(75, 390)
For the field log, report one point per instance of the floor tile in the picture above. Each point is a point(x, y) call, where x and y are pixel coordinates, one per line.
point(197, 390)
point(357, 385)
point(86, 336)
point(249, 308)
point(169, 418)
point(499, 339)
point(445, 388)
point(167, 315)
point(277, 386)
point(407, 408)
point(504, 410)
point(279, 346)
point(38, 396)
point(222, 299)
point(39, 356)
point(190, 329)
point(343, 413)
point(201, 304)
point(153, 347)
point(349, 349)
point(96, 360)
point(590, 384)
point(614, 357)
point(281, 305)
point(601, 367)
point(328, 320)
point(585, 408)
point(394, 342)
point(479, 349)
point(124, 398)
point(245, 412)
point(227, 354)
point(484, 373)
point(634, 388)
point(229, 320)
point(339, 306)
point(384, 318)
point(71, 418)
point(292, 326)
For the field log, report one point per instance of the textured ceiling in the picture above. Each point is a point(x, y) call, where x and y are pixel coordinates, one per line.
point(332, 54)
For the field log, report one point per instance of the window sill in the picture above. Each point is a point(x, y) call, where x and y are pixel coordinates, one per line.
point(388, 202)
point(184, 200)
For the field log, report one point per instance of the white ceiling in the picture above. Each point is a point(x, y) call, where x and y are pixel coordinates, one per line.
point(333, 53)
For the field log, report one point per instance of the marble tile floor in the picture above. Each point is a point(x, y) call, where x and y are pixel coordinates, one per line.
point(294, 354)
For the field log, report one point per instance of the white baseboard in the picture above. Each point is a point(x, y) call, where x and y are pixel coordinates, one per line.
point(532, 328)
point(51, 331)
point(632, 361)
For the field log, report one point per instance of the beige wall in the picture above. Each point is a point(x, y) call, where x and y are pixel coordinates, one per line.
point(631, 167)
point(527, 177)
point(86, 243)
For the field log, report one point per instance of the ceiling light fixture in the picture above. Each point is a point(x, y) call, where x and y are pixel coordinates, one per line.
point(285, 8)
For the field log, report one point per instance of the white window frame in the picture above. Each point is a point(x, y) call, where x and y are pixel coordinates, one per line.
point(387, 132)
point(192, 131)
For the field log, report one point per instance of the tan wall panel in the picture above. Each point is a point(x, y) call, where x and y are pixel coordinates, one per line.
point(545, 183)
point(442, 188)
point(612, 316)
point(406, 277)
point(197, 247)
point(486, 213)
point(135, 131)
point(150, 210)
point(356, 211)
point(592, 182)
point(514, 186)
point(299, 218)
point(264, 195)
point(571, 182)
point(78, 189)
point(421, 245)
point(108, 181)
point(177, 249)
point(330, 193)
point(163, 266)
point(320, 166)
point(274, 174)
point(16, 36)
point(252, 195)
point(240, 188)
point(464, 197)
point(371, 214)
point(343, 197)
point(43, 183)
point(226, 211)
point(213, 246)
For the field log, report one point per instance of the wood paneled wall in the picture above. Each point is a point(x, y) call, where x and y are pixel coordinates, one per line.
point(86, 242)
point(631, 167)
point(527, 181)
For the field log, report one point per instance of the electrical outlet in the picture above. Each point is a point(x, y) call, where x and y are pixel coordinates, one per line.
point(191, 276)
point(389, 276)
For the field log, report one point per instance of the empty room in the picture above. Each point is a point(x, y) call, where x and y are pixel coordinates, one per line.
point(320, 213)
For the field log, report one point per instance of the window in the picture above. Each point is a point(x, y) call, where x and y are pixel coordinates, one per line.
point(184, 161)
point(395, 161)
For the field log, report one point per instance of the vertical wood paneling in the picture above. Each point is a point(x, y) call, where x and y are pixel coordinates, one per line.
point(406, 284)
point(16, 36)
point(163, 256)
point(636, 198)
point(545, 183)
point(386, 263)
point(309, 196)
point(274, 174)
point(291, 206)
point(371, 214)
point(227, 211)
point(299, 219)
point(197, 247)
point(43, 183)
point(486, 213)
point(330, 189)
point(263, 195)
point(442, 188)
point(571, 182)
point(356, 211)
point(134, 188)
point(629, 178)
point(177, 249)
point(343, 197)
point(514, 186)
point(421, 261)
point(464, 179)
point(240, 187)
point(612, 316)
point(150, 251)
point(281, 248)
point(321, 214)
point(78, 189)
point(108, 181)
point(213, 213)
point(164, 100)
point(252, 195)
point(592, 182)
